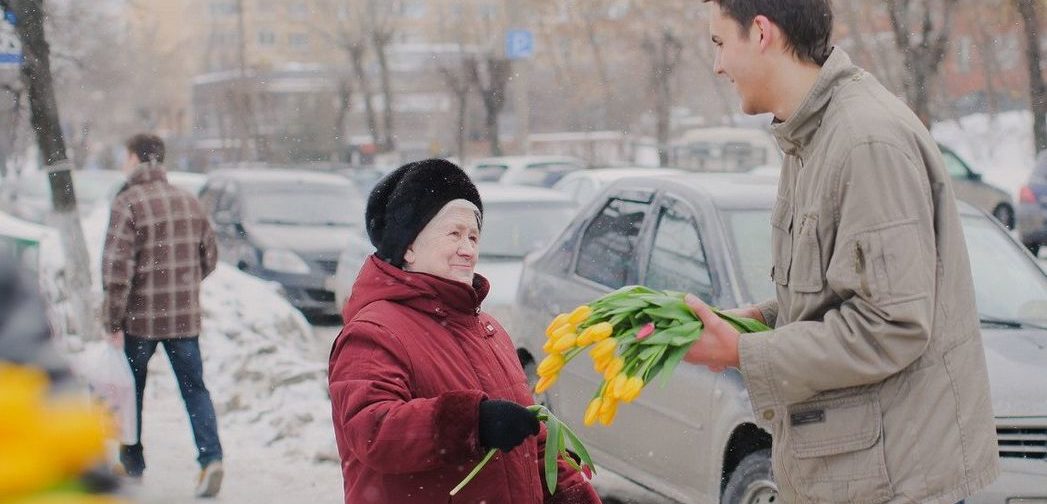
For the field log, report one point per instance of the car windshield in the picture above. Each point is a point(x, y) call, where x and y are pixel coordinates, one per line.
point(304, 204)
point(512, 230)
point(1007, 285)
point(727, 156)
point(750, 233)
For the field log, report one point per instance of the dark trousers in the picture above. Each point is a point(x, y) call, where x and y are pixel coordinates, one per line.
point(184, 354)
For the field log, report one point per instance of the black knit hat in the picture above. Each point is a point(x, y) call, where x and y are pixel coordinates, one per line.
point(406, 200)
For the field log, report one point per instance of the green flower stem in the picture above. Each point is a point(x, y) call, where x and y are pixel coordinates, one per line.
point(476, 470)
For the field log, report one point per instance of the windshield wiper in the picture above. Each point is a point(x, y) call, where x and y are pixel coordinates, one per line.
point(1009, 323)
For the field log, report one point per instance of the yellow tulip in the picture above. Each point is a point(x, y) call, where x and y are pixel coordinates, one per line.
point(545, 382)
point(551, 365)
point(560, 320)
point(75, 432)
point(603, 349)
point(601, 331)
point(565, 343)
point(586, 337)
point(632, 389)
point(578, 315)
point(599, 365)
point(548, 346)
point(562, 331)
point(608, 409)
point(592, 412)
point(613, 368)
point(618, 385)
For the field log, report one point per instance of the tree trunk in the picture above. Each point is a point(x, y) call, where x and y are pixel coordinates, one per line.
point(665, 56)
point(356, 58)
point(459, 86)
point(493, 95)
point(381, 41)
point(36, 75)
point(923, 56)
point(601, 68)
point(1030, 14)
point(345, 95)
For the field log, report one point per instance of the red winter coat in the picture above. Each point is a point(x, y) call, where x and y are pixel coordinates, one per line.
point(407, 374)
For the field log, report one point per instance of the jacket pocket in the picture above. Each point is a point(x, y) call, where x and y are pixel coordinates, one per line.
point(887, 263)
point(782, 241)
point(838, 451)
point(806, 273)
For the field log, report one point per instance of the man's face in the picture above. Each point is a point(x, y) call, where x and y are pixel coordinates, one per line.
point(131, 163)
point(447, 247)
point(739, 58)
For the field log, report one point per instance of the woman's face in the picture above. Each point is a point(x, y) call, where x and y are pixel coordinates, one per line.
point(448, 246)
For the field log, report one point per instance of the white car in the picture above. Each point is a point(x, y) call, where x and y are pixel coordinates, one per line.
point(540, 171)
point(583, 185)
point(517, 220)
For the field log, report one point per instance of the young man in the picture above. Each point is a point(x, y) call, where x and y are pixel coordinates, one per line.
point(873, 382)
point(158, 248)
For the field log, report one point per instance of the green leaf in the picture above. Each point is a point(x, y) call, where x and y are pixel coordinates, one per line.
point(553, 444)
point(670, 363)
point(677, 310)
point(650, 351)
point(579, 448)
point(743, 324)
point(687, 330)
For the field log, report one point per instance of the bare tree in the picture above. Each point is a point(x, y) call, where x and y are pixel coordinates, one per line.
point(663, 51)
point(381, 28)
point(349, 32)
point(36, 76)
point(924, 52)
point(1030, 13)
point(490, 76)
point(459, 83)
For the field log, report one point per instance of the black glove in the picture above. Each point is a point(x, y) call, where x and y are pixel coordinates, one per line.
point(505, 424)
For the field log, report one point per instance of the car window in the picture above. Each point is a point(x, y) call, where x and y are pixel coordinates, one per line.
point(511, 230)
point(488, 172)
point(544, 174)
point(609, 243)
point(678, 261)
point(954, 166)
point(1007, 284)
point(750, 235)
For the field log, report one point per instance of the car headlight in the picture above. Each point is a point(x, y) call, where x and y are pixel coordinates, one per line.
point(284, 261)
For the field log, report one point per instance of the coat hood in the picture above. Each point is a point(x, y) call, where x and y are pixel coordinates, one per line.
point(381, 281)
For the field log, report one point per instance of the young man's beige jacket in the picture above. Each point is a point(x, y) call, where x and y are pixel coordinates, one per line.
point(873, 382)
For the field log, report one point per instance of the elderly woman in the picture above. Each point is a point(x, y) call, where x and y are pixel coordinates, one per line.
point(422, 382)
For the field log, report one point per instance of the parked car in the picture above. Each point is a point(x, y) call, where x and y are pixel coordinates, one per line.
point(541, 171)
point(709, 234)
point(29, 196)
point(189, 182)
point(1032, 207)
point(723, 149)
point(970, 187)
point(583, 185)
point(286, 226)
point(366, 177)
point(517, 220)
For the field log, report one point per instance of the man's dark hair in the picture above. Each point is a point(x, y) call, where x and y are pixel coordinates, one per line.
point(807, 24)
point(147, 147)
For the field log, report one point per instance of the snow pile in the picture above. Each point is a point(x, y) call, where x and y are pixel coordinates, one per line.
point(1001, 147)
point(259, 354)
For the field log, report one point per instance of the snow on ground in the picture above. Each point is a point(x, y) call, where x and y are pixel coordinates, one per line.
point(1001, 147)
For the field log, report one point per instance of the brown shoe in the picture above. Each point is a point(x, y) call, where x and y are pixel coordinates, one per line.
point(210, 480)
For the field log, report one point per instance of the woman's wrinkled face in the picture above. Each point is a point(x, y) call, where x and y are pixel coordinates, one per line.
point(448, 246)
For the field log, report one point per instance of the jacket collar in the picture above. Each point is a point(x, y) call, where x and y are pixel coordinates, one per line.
point(795, 133)
point(439, 297)
point(145, 173)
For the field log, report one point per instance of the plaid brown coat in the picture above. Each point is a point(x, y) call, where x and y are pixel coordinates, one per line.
point(158, 248)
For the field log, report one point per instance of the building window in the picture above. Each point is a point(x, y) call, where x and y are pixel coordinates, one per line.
point(298, 40)
point(266, 37)
point(223, 8)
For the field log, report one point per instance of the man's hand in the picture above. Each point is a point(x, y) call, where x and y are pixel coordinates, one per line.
point(717, 349)
point(748, 312)
point(116, 339)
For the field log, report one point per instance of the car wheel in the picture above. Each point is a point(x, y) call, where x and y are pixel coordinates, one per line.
point(751, 482)
point(1005, 214)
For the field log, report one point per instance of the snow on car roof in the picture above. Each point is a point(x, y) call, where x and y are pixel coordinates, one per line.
point(503, 193)
point(281, 175)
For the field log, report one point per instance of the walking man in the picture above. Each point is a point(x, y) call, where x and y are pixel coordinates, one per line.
point(873, 381)
point(158, 248)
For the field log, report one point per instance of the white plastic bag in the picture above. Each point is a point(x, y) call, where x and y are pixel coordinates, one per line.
point(109, 375)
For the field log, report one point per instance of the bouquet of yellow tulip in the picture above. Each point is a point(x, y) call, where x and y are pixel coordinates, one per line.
point(46, 443)
point(557, 435)
point(633, 334)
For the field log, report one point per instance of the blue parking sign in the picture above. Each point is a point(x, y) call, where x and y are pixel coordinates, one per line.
point(519, 44)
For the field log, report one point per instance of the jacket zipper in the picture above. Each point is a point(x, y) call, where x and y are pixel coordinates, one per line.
point(859, 268)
